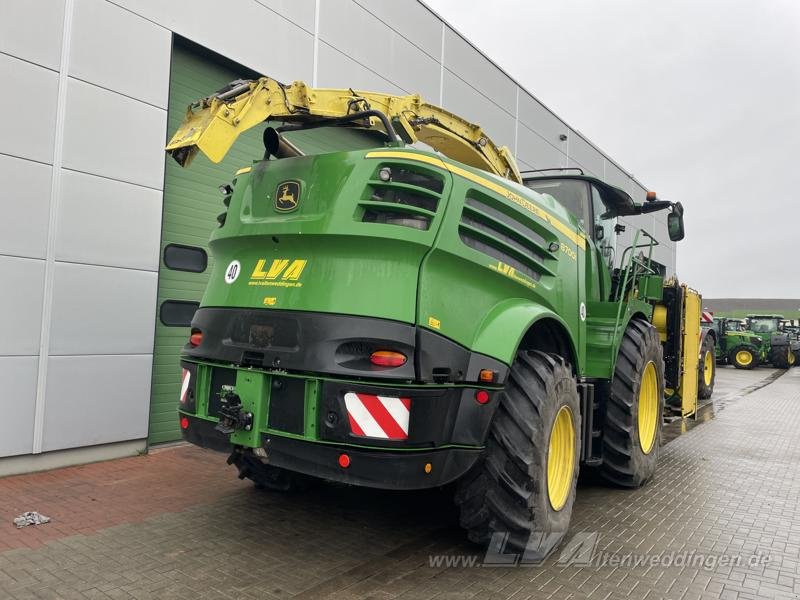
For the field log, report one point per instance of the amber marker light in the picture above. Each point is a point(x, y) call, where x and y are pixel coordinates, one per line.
point(387, 358)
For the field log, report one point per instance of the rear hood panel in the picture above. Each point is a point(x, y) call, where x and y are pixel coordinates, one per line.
point(325, 233)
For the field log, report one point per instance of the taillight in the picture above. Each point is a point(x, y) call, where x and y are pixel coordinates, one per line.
point(387, 358)
point(184, 423)
point(196, 338)
point(482, 396)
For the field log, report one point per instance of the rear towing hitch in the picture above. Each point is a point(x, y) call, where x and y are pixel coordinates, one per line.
point(231, 416)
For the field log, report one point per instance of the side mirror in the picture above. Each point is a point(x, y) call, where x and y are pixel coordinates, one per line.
point(675, 223)
point(599, 232)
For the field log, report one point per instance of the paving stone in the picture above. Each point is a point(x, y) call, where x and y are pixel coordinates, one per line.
point(178, 524)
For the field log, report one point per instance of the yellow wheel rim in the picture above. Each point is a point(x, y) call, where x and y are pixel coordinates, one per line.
point(792, 358)
point(648, 408)
point(744, 358)
point(708, 368)
point(561, 458)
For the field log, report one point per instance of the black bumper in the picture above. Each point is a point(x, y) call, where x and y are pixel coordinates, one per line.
point(385, 469)
point(333, 344)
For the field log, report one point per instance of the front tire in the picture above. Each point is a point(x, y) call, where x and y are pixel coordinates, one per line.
point(707, 369)
point(743, 357)
point(523, 486)
point(632, 428)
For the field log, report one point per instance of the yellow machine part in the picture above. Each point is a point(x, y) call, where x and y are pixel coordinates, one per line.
point(212, 124)
point(660, 321)
point(691, 350)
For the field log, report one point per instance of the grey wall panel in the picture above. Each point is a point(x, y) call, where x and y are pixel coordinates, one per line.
point(26, 209)
point(412, 20)
point(125, 140)
point(638, 191)
point(136, 66)
point(244, 31)
point(26, 129)
point(337, 70)
point(20, 305)
point(523, 165)
point(95, 400)
point(583, 155)
point(299, 12)
point(18, 374)
point(477, 70)
point(542, 121)
point(663, 254)
point(615, 176)
point(533, 150)
point(465, 101)
point(641, 221)
point(378, 47)
point(106, 222)
point(102, 310)
point(31, 29)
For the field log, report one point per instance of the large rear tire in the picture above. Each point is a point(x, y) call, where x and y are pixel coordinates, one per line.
point(779, 356)
point(523, 486)
point(707, 369)
point(743, 357)
point(632, 427)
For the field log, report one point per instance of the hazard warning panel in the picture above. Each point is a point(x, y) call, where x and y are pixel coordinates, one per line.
point(381, 417)
point(187, 376)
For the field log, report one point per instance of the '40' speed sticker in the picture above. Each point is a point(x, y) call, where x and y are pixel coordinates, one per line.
point(232, 272)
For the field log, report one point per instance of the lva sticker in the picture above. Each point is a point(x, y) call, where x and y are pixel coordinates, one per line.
point(232, 272)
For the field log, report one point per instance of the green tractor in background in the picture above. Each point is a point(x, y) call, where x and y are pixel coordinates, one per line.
point(792, 329)
point(735, 345)
point(776, 342)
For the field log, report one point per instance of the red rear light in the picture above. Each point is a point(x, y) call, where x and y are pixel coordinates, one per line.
point(387, 358)
point(344, 461)
point(184, 423)
point(196, 338)
point(482, 396)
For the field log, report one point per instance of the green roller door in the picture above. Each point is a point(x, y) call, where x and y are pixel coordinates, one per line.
point(191, 205)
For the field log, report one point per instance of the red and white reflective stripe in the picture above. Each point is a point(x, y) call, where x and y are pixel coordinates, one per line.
point(707, 316)
point(378, 416)
point(187, 376)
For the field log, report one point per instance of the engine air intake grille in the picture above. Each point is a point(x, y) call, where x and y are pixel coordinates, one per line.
point(400, 195)
point(423, 180)
point(489, 230)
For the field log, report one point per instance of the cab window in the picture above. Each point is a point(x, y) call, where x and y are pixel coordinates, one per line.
point(572, 194)
point(602, 231)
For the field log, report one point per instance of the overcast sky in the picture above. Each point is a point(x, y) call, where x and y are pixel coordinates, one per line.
point(699, 99)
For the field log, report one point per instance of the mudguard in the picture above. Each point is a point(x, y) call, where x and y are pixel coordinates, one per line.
point(503, 328)
point(705, 332)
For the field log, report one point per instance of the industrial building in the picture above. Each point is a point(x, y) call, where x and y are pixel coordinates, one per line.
point(103, 241)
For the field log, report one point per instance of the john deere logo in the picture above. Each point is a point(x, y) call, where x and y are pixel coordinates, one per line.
point(287, 196)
